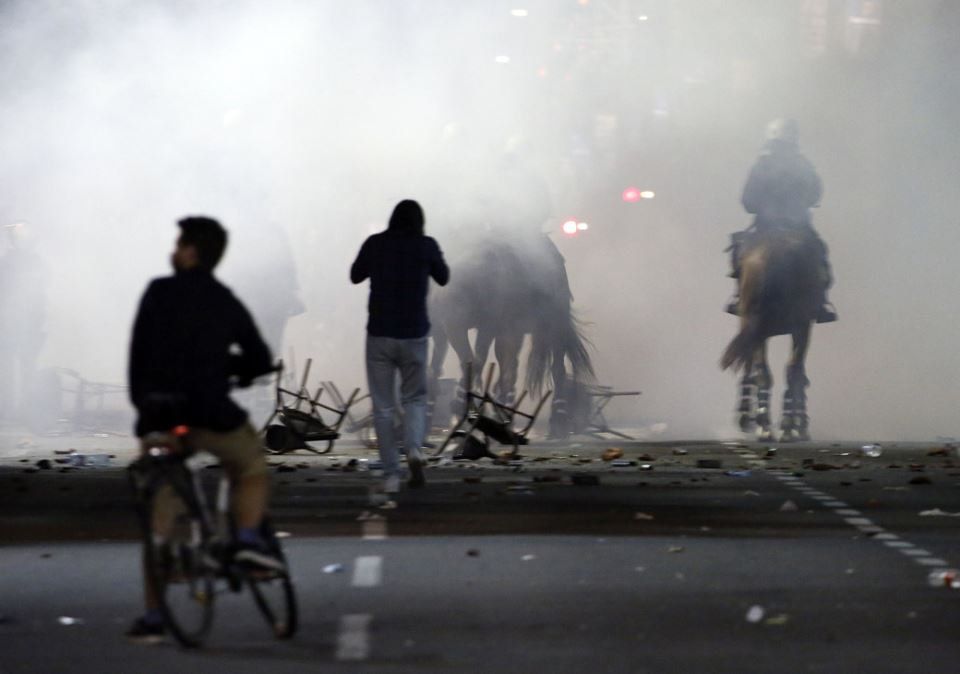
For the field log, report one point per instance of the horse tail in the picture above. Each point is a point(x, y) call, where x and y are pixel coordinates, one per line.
point(743, 346)
point(563, 338)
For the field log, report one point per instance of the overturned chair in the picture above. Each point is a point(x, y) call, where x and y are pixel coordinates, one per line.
point(484, 418)
point(296, 419)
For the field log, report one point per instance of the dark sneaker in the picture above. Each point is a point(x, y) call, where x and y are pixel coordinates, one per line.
point(415, 464)
point(258, 558)
point(143, 632)
point(733, 306)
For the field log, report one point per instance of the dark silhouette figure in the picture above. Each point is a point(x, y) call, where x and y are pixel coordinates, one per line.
point(191, 337)
point(782, 187)
point(399, 263)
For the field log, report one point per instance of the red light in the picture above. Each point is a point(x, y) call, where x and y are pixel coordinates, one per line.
point(631, 195)
point(570, 227)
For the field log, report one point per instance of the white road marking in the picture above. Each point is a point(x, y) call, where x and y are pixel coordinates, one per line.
point(853, 517)
point(916, 552)
point(367, 571)
point(353, 637)
point(930, 561)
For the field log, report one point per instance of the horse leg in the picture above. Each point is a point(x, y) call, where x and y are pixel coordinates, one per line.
point(440, 347)
point(763, 382)
point(507, 349)
point(795, 423)
point(560, 426)
point(746, 410)
point(460, 341)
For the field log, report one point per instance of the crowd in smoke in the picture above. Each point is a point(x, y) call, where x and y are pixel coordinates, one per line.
point(300, 124)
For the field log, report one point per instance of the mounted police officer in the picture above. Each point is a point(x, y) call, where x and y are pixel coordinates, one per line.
point(781, 189)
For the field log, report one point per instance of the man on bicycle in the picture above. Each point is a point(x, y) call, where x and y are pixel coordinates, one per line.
point(191, 338)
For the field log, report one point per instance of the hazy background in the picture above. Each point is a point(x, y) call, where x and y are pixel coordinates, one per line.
point(309, 120)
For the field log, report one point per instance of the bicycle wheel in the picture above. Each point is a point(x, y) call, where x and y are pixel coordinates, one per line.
point(273, 592)
point(178, 560)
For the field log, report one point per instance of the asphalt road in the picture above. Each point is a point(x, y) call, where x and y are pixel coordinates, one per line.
point(812, 560)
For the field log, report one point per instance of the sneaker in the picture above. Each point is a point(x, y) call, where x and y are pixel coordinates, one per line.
point(258, 557)
point(391, 485)
point(733, 306)
point(143, 632)
point(415, 464)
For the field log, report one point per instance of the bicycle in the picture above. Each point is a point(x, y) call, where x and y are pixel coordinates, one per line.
point(188, 545)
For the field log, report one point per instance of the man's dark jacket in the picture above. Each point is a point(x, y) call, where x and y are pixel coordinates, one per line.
point(190, 336)
point(782, 186)
point(399, 265)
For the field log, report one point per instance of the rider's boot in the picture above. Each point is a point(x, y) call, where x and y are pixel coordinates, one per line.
point(827, 313)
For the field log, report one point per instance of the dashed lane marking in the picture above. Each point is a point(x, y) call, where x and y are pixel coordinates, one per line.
point(855, 519)
point(353, 637)
point(367, 571)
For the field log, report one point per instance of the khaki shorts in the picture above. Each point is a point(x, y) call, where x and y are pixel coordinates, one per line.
point(240, 451)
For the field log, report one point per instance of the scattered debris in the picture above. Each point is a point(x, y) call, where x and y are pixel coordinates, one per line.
point(679, 451)
point(949, 578)
point(642, 516)
point(44, 464)
point(777, 620)
point(473, 479)
point(283, 534)
point(585, 480)
point(611, 453)
point(622, 463)
point(789, 507)
point(872, 450)
point(921, 479)
point(473, 552)
point(709, 463)
point(646, 466)
point(846, 483)
point(67, 620)
point(770, 453)
point(521, 489)
point(286, 468)
point(939, 451)
point(737, 473)
point(750, 492)
point(646, 457)
point(333, 568)
point(546, 478)
point(528, 558)
point(755, 614)
point(675, 549)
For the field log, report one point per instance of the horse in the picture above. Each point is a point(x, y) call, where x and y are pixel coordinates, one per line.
point(506, 291)
point(781, 288)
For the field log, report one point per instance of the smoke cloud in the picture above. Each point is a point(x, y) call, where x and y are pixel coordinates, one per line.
point(300, 124)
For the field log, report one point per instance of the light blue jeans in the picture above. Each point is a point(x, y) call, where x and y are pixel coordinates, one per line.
point(387, 357)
